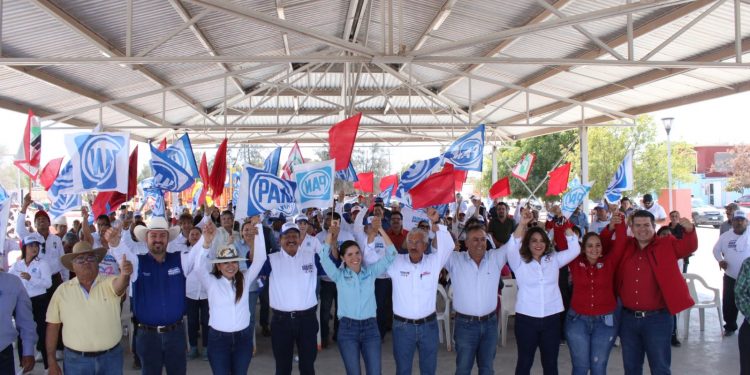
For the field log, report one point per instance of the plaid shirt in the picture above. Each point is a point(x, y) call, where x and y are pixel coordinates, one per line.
point(742, 289)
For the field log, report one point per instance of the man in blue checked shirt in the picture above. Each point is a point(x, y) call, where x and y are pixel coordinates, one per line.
point(15, 302)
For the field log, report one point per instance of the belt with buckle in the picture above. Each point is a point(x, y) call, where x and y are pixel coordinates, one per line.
point(91, 354)
point(642, 314)
point(295, 314)
point(473, 318)
point(426, 319)
point(160, 329)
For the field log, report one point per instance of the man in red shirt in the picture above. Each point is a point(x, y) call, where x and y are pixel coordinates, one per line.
point(652, 289)
point(396, 232)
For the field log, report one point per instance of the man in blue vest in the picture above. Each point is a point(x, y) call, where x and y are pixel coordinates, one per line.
point(158, 285)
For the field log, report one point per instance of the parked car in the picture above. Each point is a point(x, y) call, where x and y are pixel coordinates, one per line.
point(703, 214)
point(743, 201)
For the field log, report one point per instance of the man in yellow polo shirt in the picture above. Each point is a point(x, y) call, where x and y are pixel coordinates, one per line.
point(88, 307)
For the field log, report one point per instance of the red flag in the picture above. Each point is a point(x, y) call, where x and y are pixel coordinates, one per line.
point(219, 171)
point(558, 180)
point(434, 190)
point(108, 201)
point(387, 181)
point(50, 172)
point(459, 177)
point(203, 172)
point(501, 188)
point(341, 139)
point(366, 182)
point(163, 145)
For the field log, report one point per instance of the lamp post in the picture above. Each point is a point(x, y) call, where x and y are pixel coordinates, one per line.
point(667, 121)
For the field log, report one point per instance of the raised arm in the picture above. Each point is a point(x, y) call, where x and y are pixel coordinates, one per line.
point(513, 247)
point(443, 241)
point(21, 230)
point(390, 255)
point(258, 249)
point(120, 284)
point(324, 254)
point(688, 243)
point(574, 249)
point(119, 248)
point(85, 227)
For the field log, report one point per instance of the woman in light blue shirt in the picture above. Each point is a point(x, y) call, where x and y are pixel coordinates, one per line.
point(355, 282)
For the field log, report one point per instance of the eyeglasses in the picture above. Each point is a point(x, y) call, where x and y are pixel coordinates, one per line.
point(86, 259)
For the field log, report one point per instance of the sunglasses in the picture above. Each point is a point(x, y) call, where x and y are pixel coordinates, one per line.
point(85, 259)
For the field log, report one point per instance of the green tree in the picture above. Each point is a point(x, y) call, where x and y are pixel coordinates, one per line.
point(549, 149)
point(739, 165)
point(608, 146)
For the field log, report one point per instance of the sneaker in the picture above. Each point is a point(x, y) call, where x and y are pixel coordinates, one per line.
point(675, 342)
point(728, 333)
point(193, 353)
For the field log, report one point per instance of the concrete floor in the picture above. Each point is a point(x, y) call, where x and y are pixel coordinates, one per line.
point(704, 352)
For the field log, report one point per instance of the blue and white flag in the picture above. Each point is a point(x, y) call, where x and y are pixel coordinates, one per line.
point(288, 210)
point(348, 174)
point(5, 203)
point(157, 204)
point(181, 152)
point(271, 164)
point(62, 202)
point(168, 175)
point(575, 195)
point(413, 217)
point(466, 152)
point(314, 184)
point(621, 181)
point(100, 161)
point(386, 195)
point(197, 196)
point(418, 172)
point(261, 191)
point(236, 177)
point(442, 209)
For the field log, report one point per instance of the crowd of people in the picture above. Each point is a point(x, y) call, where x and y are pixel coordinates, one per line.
point(354, 273)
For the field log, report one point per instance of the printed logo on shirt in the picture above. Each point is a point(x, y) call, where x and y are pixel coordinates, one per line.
point(174, 271)
point(145, 273)
point(423, 274)
point(405, 273)
point(732, 244)
point(599, 266)
point(548, 258)
point(308, 268)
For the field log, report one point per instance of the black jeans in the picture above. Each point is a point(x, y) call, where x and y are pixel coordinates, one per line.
point(39, 310)
point(327, 299)
point(384, 301)
point(197, 317)
point(264, 304)
point(729, 307)
point(566, 291)
point(532, 333)
point(7, 366)
point(743, 341)
point(286, 331)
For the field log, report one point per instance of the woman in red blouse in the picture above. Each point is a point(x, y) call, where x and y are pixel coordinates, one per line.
point(590, 327)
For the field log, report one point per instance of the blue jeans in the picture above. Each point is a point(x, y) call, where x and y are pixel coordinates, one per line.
point(106, 364)
point(475, 341)
point(162, 350)
point(651, 336)
point(590, 339)
point(533, 333)
point(407, 338)
point(229, 353)
point(359, 336)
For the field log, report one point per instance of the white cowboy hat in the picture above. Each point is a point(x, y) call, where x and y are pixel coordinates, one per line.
point(227, 254)
point(156, 223)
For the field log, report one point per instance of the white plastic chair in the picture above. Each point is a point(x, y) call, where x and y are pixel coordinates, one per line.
point(444, 318)
point(507, 307)
point(701, 304)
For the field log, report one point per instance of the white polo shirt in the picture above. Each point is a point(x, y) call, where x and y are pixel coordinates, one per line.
point(538, 291)
point(225, 314)
point(475, 287)
point(734, 249)
point(293, 280)
point(40, 280)
point(415, 284)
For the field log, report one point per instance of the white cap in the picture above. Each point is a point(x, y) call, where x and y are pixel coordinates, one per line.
point(289, 226)
point(739, 214)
